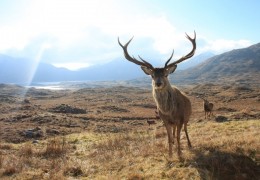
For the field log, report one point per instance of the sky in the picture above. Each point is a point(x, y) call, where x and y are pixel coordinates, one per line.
point(80, 33)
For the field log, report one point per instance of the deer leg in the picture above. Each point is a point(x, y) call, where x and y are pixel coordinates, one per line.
point(170, 137)
point(205, 115)
point(187, 136)
point(179, 126)
point(173, 133)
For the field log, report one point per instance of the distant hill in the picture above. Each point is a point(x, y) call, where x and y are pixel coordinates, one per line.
point(239, 65)
point(118, 69)
point(195, 60)
point(19, 70)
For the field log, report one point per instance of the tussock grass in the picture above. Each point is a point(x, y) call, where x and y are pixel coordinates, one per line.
point(55, 148)
point(5, 146)
point(26, 150)
point(73, 171)
point(9, 170)
point(44, 161)
point(11, 166)
point(228, 150)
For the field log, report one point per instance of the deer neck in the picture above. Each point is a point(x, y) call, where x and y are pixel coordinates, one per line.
point(164, 99)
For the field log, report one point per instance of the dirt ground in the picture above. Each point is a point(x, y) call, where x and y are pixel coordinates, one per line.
point(35, 114)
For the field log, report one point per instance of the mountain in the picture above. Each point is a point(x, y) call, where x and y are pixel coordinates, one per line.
point(239, 65)
point(192, 62)
point(121, 69)
point(118, 69)
point(19, 70)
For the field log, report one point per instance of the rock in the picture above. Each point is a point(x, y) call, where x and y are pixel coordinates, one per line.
point(26, 101)
point(52, 131)
point(149, 122)
point(35, 142)
point(33, 133)
point(64, 108)
point(221, 119)
point(226, 109)
point(114, 109)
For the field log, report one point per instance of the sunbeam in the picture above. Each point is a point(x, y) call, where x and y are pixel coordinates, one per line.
point(33, 68)
point(36, 62)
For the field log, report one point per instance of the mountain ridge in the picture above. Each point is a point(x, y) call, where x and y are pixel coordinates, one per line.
point(20, 70)
point(235, 65)
point(238, 65)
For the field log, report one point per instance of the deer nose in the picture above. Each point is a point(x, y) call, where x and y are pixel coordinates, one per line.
point(158, 84)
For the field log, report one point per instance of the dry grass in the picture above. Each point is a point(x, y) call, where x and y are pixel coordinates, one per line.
point(73, 171)
point(1, 160)
point(145, 155)
point(111, 143)
point(11, 165)
point(26, 150)
point(5, 146)
point(42, 161)
point(55, 147)
point(228, 150)
point(220, 151)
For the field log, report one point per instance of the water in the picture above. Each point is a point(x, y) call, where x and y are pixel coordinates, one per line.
point(76, 84)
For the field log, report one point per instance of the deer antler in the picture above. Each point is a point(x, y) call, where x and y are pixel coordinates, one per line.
point(193, 41)
point(169, 59)
point(132, 59)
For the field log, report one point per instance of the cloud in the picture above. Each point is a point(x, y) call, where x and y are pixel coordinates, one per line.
point(72, 66)
point(84, 30)
point(222, 45)
point(75, 33)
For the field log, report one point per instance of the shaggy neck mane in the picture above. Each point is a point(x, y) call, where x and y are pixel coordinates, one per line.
point(164, 99)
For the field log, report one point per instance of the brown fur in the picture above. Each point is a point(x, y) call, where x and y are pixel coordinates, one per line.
point(208, 108)
point(174, 109)
point(174, 106)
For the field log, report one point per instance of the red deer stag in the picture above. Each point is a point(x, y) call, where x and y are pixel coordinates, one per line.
point(173, 105)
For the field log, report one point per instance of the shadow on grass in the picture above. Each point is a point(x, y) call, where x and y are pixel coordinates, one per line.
point(215, 164)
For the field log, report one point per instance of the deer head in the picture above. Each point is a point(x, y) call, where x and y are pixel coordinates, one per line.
point(205, 101)
point(159, 75)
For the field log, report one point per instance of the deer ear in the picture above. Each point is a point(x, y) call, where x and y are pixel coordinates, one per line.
point(171, 69)
point(147, 70)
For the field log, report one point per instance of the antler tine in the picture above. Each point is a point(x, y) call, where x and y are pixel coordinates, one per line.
point(132, 59)
point(148, 64)
point(169, 59)
point(190, 54)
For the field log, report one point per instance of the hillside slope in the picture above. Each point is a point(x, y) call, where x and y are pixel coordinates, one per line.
point(240, 65)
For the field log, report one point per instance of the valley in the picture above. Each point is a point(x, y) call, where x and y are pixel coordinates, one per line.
point(101, 132)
